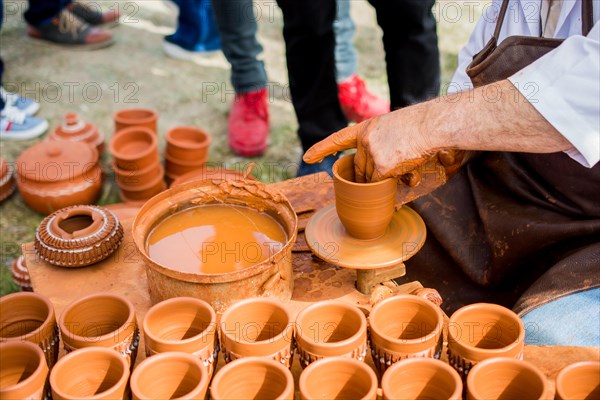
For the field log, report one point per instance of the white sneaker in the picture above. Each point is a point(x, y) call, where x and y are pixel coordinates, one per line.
point(16, 125)
point(24, 104)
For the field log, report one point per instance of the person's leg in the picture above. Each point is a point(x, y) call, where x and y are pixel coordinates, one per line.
point(411, 49)
point(345, 53)
point(196, 29)
point(42, 11)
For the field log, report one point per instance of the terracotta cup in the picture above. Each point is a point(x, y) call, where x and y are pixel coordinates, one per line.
point(135, 117)
point(138, 177)
point(187, 143)
point(257, 327)
point(144, 191)
point(134, 148)
point(101, 320)
point(176, 167)
point(421, 378)
point(23, 372)
point(30, 317)
point(253, 378)
point(338, 378)
point(93, 373)
point(579, 381)
point(480, 331)
point(404, 326)
point(171, 375)
point(506, 379)
point(330, 329)
point(183, 324)
point(365, 209)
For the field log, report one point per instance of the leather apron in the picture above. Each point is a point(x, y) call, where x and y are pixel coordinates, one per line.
point(510, 220)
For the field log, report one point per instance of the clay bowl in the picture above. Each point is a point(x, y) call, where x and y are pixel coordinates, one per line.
point(330, 329)
point(187, 143)
point(92, 373)
point(480, 331)
point(20, 274)
point(257, 327)
point(365, 209)
point(183, 324)
point(101, 320)
point(338, 378)
point(75, 130)
point(506, 379)
point(24, 371)
point(402, 327)
point(579, 381)
point(207, 173)
point(253, 378)
point(7, 181)
point(138, 117)
point(176, 167)
point(137, 177)
point(271, 278)
point(134, 148)
point(421, 378)
point(30, 317)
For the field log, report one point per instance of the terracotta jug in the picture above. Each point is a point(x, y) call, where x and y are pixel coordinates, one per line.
point(421, 378)
point(402, 327)
point(365, 209)
point(506, 379)
point(187, 143)
point(253, 378)
point(30, 317)
point(579, 381)
point(330, 329)
point(93, 373)
point(141, 117)
point(338, 378)
point(134, 148)
point(24, 371)
point(75, 130)
point(183, 324)
point(7, 181)
point(257, 327)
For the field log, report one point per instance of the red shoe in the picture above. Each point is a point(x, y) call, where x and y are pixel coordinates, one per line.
point(357, 102)
point(249, 123)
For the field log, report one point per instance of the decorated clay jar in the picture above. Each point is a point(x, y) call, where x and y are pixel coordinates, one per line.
point(257, 327)
point(78, 236)
point(7, 180)
point(24, 371)
point(138, 117)
point(183, 324)
point(187, 143)
point(330, 329)
point(134, 148)
point(20, 274)
point(253, 378)
point(75, 130)
point(30, 317)
point(579, 381)
point(52, 175)
point(206, 173)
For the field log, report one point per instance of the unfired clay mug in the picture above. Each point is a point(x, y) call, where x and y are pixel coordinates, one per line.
point(480, 331)
point(506, 379)
point(23, 371)
point(257, 327)
point(365, 209)
point(404, 326)
point(421, 378)
point(579, 381)
point(338, 378)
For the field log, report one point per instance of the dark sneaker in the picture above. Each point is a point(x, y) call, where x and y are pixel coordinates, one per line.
point(69, 30)
point(93, 14)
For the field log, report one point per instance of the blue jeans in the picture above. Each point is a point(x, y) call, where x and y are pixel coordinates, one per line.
point(345, 53)
point(196, 26)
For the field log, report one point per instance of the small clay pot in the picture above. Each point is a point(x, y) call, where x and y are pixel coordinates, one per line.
point(24, 371)
point(78, 236)
point(338, 378)
point(7, 181)
point(257, 327)
point(183, 324)
point(176, 167)
point(171, 375)
point(75, 130)
point(330, 329)
point(94, 373)
point(480, 331)
point(52, 175)
point(140, 197)
point(205, 173)
point(30, 317)
point(20, 274)
point(134, 148)
point(187, 143)
point(506, 379)
point(365, 209)
point(421, 378)
point(579, 381)
point(135, 117)
point(402, 327)
point(138, 177)
point(101, 320)
point(145, 191)
point(253, 378)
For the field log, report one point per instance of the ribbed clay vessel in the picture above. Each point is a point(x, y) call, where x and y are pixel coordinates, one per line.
point(7, 181)
point(20, 274)
point(24, 371)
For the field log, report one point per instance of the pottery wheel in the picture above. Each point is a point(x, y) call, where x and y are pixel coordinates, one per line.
point(328, 240)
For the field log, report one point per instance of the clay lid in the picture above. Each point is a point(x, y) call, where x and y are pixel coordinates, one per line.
point(56, 161)
point(72, 127)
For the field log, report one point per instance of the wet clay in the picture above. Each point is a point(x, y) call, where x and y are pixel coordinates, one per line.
point(215, 239)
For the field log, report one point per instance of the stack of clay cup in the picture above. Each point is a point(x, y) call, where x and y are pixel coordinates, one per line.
point(186, 150)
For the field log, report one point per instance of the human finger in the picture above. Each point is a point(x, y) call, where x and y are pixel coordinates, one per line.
point(339, 141)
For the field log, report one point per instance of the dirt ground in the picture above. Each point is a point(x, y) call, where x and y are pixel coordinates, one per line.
point(135, 73)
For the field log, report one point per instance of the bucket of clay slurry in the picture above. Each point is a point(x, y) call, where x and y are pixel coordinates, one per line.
point(271, 277)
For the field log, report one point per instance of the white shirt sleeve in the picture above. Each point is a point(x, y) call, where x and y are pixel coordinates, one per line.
point(564, 86)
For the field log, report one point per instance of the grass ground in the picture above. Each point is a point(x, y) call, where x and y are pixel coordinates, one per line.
point(135, 73)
